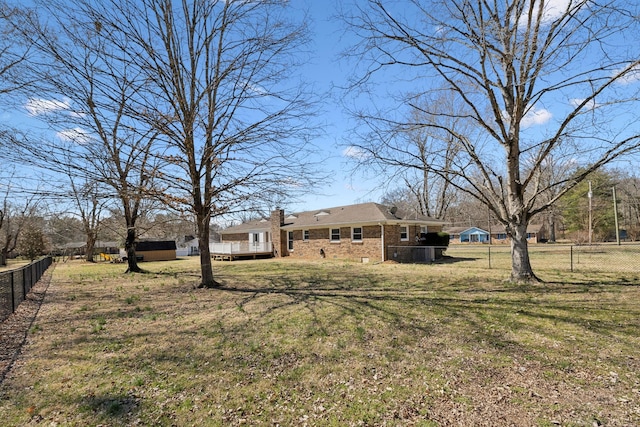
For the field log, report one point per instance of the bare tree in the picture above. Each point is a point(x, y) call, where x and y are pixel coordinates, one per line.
point(85, 87)
point(12, 52)
point(14, 217)
point(220, 92)
point(629, 191)
point(569, 65)
point(89, 204)
point(417, 157)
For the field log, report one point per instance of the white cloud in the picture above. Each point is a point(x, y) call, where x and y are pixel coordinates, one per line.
point(77, 135)
point(536, 117)
point(39, 106)
point(632, 76)
point(533, 117)
point(553, 9)
point(589, 105)
point(355, 153)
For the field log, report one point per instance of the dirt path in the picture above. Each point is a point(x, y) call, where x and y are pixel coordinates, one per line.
point(13, 331)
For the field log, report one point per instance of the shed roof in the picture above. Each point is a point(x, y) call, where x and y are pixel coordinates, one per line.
point(155, 245)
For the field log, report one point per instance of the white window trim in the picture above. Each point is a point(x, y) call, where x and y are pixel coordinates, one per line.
point(404, 239)
point(305, 239)
point(331, 240)
point(353, 239)
point(290, 240)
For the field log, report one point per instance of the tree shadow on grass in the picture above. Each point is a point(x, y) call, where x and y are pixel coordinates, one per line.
point(486, 315)
point(112, 407)
point(446, 259)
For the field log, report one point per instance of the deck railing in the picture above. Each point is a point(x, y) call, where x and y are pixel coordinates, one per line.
point(238, 248)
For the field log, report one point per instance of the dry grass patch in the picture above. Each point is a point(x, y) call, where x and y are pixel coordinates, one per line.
point(294, 343)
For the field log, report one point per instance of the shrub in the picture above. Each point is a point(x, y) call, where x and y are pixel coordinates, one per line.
point(434, 239)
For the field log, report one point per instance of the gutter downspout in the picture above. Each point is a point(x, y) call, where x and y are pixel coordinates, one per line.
point(382, 241)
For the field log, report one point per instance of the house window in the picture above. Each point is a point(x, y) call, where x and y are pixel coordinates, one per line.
point(501, 236)
point(290, 240)
point(335, 234)
point(404, 233)
point(305, 235)
point(356, 234)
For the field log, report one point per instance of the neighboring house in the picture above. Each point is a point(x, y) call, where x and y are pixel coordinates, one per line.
point(467, 235)
point(77, 249)
point(536, 233)
point(149, 250)
point(189, 247)
point(361, 232)
point(101, 246)
point(73, 249)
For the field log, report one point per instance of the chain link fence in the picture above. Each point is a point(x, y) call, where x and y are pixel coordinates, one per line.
point(572, 258)
point(556, 257)
point(16, 284)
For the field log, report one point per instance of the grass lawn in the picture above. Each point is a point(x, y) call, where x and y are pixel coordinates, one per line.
point(296, 343)
point(12, 264)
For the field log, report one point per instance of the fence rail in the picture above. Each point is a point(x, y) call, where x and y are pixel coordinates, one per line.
point(240, 248)
point(558, 257)
point(16, 284)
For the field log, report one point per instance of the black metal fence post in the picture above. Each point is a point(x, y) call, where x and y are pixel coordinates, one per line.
point(571, 256)
point(13, 293)
point(24, 284)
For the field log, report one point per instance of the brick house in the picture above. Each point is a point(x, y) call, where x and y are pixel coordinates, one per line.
point(362, 232)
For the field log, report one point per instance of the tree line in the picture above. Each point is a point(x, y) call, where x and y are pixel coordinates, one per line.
point(193, 105)
point(199, 106)
point(566, 221)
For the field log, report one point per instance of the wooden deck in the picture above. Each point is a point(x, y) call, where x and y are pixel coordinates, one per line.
point(237, 250)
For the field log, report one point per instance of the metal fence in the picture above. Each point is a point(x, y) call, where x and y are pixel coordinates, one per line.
point(554, 257)
point(415, 254)
point(16, 284)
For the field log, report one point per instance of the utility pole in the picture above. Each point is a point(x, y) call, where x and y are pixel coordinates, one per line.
point(590, 195)
point(489, 222)
point(615, 215)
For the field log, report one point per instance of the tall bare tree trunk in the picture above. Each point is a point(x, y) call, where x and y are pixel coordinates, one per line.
point(91, 243)
point(207, 280)
point(130, 247)
point(521, 270)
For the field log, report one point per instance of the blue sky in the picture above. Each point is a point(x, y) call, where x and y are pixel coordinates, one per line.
point(324, 71)
point(329, 73)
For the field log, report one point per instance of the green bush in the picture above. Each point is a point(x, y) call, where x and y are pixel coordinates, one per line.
point(434, 239)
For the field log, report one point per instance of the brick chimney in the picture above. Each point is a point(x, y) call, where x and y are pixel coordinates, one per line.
point(278, 236)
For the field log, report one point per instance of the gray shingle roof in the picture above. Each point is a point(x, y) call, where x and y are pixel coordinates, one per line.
point(248, 227)
point(360, 214)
